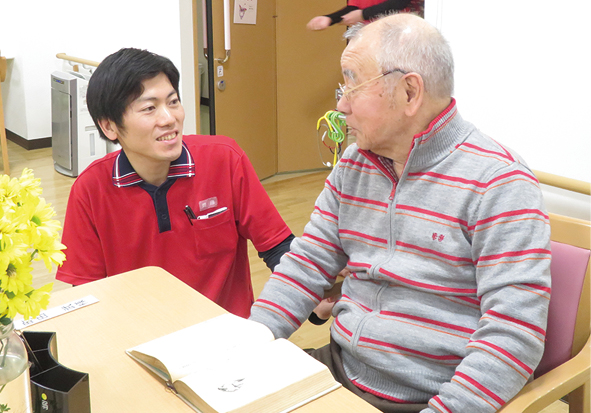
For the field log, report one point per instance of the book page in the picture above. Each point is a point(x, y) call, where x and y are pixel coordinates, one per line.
point(202, 346)
point(259, 374)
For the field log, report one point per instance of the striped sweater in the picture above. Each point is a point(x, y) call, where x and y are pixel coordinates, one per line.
point(448, 298)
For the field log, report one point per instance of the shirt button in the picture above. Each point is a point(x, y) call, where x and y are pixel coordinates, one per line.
point(164, 216)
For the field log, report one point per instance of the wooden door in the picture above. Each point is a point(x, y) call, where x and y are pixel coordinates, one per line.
point(246, 109)
point(308, 72)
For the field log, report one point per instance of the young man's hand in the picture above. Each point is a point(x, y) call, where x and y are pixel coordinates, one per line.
point(324, 309)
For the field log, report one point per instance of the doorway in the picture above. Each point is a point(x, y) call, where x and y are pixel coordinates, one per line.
point(280, 78)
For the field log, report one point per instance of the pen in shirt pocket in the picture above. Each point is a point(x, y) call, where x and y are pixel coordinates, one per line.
point(190, 214)
point(213, 214)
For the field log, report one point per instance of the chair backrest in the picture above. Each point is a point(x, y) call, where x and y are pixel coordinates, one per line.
point(569, 323)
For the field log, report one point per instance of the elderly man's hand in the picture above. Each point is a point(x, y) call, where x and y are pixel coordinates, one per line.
point(353, 17)
point(318, 23)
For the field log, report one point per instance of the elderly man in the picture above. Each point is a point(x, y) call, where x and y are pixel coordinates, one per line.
point(443, 229)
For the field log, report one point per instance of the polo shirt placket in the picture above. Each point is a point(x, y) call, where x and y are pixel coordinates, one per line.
point(124, 175)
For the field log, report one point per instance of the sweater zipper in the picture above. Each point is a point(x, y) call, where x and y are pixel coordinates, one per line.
point(365, 319)
point(393, 192)
point(391, 175)
point(357, 333)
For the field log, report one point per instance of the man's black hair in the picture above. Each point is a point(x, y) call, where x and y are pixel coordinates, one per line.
point(117, 81)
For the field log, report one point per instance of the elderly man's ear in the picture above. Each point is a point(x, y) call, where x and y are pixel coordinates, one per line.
point(414, 88)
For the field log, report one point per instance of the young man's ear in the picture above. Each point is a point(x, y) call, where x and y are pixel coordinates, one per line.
point(109, 129)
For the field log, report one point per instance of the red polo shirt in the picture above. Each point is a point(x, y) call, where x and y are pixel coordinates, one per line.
point(115, 222)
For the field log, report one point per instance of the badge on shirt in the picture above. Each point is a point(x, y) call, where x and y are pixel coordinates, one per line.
point(208, 203)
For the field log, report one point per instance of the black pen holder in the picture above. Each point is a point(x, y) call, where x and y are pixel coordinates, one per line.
point(54, 388)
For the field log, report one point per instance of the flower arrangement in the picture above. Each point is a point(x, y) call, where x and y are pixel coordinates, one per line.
point(27, 233)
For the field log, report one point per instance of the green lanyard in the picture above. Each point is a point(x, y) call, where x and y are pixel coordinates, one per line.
point(336, 126)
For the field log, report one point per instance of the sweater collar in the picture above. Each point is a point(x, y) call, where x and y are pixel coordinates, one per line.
point(441, 137)
point(429, 147)
point(124, 174)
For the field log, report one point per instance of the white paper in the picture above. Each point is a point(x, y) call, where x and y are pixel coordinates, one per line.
point(245, 11)
point(56, 311)
point(183, 353)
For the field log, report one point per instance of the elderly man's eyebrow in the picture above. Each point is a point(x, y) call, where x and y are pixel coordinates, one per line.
point(349, 74)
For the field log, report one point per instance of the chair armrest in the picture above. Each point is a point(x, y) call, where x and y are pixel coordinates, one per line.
point(550, 387)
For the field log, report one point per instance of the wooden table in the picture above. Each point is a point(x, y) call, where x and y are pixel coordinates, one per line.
point(133, 308)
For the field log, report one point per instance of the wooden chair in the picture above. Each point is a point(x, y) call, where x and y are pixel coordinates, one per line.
point(565, 366)
point(3, 68)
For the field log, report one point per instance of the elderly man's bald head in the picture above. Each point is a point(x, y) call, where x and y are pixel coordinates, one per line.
point(408, 42)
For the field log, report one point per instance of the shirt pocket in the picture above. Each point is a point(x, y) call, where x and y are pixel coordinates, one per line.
point(215, 235)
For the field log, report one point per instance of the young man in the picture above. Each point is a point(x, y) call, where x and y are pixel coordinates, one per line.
point(443, 229)
point(184, 203)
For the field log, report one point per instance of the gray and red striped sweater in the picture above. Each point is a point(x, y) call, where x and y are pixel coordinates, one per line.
point(449, 294)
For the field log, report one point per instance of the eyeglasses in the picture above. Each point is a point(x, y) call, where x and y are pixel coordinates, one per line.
point(344, 91)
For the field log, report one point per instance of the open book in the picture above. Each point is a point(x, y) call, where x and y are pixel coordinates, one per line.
point(232, 365)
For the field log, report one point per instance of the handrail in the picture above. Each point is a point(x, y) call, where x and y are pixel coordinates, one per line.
point(562, 182)
point(76, 59)
point(227, 41)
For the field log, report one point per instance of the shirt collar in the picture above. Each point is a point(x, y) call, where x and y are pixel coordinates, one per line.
point(124, 174)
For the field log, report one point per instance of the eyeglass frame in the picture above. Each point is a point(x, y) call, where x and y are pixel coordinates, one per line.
point(345, 92)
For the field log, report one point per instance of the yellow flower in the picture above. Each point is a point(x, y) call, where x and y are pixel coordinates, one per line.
point(27, 232)
point(17, 277)
point(9, 304)
point(4, 300)
point(9, 189)
point(52, 255)
point(12, 244)
point(38, 300)
point(29, 303)
point(40, 227)
point(30, 187)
